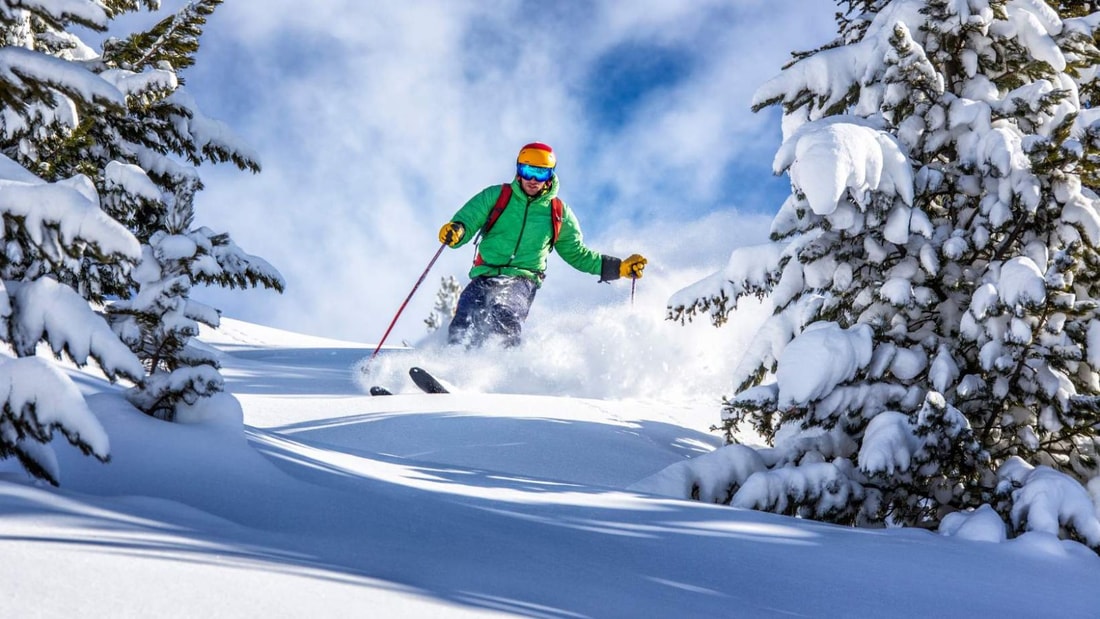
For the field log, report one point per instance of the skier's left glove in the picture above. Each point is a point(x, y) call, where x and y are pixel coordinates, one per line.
point(632, 266)
point(451, 233)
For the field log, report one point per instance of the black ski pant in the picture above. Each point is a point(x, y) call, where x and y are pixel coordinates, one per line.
point(492, 307)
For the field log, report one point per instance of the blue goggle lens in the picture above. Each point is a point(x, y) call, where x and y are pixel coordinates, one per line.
point(534, 173)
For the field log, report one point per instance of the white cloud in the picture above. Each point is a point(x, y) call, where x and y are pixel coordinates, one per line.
point(376, 121)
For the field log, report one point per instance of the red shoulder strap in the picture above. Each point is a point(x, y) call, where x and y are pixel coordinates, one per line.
point(494, 215)
point(557, 214)
point(498, 208)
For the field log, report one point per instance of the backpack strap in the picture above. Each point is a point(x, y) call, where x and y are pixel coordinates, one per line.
point(557, 214)
point(494, 214)
point(498, 208)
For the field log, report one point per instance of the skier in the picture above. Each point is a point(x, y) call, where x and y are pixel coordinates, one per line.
point(519, 225)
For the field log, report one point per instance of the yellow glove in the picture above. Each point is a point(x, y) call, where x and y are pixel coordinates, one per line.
point(632, 266)
point(451, 233)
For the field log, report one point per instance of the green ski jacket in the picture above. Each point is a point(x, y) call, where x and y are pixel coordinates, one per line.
point(519, 242)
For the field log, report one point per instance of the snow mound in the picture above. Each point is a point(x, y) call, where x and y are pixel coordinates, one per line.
point(980, 525)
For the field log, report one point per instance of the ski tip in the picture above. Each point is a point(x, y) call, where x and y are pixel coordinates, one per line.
point(380, 391)
point(425, 381)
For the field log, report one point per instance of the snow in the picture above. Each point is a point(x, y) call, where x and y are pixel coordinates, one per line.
point(551, 481)
point(299, 495)
point(130, 83)
point(1093, 357)
point(10, 170)
point(981, 525)
point(748, 270)
point(53, 312)
point(17, 63)
point(832, 156)
point(897, 290)
point(1047, 501)
point(132, 179)
point(944, 370)
point(709, 475)
point(1034, 22)
point(823, 356)
point(175, 247)
point(828, 482)
point(33, 383)
point(206, 132)
point(1021, 283)
point(90, 12)
point(908, 363)
point(68, 211)
point(829, 73)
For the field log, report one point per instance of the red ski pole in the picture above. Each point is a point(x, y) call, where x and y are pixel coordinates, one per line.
point(407, 299)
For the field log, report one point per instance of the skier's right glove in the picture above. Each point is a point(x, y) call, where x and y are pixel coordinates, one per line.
point(632, 266)
point(451, 233)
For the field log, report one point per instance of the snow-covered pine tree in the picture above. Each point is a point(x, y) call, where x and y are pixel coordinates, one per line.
point(446, 302)
point(160, 319)
point(143, 159)
point(935, 344)
point(50, 227)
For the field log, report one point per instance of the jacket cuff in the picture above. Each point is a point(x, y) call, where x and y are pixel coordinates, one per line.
point(609, 270)
point(465, 237)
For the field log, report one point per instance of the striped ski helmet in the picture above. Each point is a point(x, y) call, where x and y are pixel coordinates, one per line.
point(537, 154)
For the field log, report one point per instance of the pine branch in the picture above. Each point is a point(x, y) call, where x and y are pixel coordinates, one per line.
point(174, 40)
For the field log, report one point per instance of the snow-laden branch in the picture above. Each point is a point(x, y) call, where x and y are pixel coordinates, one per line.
point(711, 477)
point(827, 78)
point(25, 69)
point(86, 12)
point(131, 83)
point(1049, 501)
point(69, 211)
point(828, 486)
point(47, 310)
point(37, 399)
point(829, 158)
point(211, 137)
point(750, 271)
point(1034, 22)
point(823, 356)
point(58, 403)
point(132, 180)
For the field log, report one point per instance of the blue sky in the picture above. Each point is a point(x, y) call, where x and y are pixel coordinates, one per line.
point(375, 121)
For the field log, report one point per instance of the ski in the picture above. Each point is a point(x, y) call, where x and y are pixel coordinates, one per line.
point(421, 378)
point(426, 382)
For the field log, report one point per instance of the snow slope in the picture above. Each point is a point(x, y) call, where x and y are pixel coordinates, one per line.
point(333, 503)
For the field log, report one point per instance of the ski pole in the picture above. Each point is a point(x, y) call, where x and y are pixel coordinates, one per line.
point(633, 285)
point(407, 299)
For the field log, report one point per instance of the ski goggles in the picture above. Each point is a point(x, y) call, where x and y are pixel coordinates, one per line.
point(534, 173)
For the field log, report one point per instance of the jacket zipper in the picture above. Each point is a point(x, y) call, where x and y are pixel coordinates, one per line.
point(522, 227)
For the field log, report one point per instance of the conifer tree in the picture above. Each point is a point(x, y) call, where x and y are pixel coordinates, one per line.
point(142, 158)
point(939, 255)
point(52, 225)
point(446, 302)
point(163, 122)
